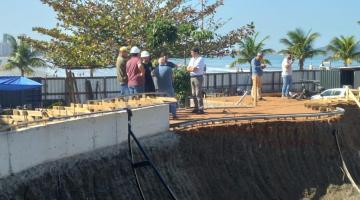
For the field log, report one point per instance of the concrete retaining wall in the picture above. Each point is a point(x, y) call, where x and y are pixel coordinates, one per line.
point(22, 149)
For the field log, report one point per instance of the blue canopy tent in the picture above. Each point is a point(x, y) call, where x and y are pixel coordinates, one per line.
point(16, 83)
point(19, 91)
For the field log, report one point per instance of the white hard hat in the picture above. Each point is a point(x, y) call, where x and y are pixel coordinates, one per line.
point(145, 54)
point(135, 50)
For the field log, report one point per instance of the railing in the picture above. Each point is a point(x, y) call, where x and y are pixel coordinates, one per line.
point(53, 89)
point(105, 87)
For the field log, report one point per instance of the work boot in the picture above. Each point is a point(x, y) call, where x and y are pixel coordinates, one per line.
point(195, 111)
point(200, 112)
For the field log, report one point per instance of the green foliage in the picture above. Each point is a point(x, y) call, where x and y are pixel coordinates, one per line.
point(182, 83)
point(22, 57)
point(344, 48)
point(159, 33)
point(88, 33)
point(248, 49)
point(201, 36)
point(300, 45)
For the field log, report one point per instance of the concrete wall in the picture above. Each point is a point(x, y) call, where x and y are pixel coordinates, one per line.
point(22, 149)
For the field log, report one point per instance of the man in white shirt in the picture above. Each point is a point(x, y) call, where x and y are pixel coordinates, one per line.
point(196, 68)
point(286, 75)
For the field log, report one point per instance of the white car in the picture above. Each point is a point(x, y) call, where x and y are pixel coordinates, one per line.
point(330, 93)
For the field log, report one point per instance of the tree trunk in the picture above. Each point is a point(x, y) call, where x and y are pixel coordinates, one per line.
point(250, 68)
point(301, 64)
point(69, 87)
point(22, 72)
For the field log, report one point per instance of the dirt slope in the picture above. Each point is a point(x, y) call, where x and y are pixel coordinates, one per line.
point(273, 160)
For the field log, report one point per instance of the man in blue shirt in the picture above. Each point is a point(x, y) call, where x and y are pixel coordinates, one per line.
point(163, 74)
point(257, 72)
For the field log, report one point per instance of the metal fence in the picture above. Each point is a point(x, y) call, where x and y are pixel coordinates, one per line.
point(272, 81)
point(105, 87)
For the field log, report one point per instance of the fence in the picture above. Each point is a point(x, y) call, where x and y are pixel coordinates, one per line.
point(106, 87)
point(53, 89)
point(272, 81)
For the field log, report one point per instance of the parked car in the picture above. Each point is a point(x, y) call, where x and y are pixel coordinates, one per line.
point(330, 93)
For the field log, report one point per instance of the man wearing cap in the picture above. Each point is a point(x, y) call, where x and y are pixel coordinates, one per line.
point(149, 83)
point(196, 68)
point(121, 71)
point(135, 72)
point(257, 72)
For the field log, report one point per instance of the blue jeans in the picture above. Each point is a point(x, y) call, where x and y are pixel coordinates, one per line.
point(124, 90)
point(172, 109)
point(136, 89)
point(287, 80)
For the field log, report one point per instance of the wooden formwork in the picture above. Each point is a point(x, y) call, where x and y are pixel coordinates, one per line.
point(17, 116)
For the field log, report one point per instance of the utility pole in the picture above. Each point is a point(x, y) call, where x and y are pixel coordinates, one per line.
point(202, 15)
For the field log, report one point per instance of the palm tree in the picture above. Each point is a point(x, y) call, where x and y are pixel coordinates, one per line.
point(300, 45)
point(248, 48)
point(22, 57)
point(344, 48)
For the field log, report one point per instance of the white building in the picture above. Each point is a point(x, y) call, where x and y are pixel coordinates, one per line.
point(5, 48)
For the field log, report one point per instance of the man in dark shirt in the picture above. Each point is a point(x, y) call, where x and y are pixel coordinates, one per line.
point(146, 61)
point(121, 71)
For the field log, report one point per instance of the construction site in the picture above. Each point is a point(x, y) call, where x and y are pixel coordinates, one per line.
point(128, 148)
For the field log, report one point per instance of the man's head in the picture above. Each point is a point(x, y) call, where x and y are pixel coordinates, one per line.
point(134, 51)
point(289, 56)
point(161, 61)
point(195, 52)
point(259, 56)
point(123, 51)
point(164, 55)
point(145, 55)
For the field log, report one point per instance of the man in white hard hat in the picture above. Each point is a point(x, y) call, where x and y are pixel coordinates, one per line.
point(146, 61)
point(121, 70)
point(135, 72)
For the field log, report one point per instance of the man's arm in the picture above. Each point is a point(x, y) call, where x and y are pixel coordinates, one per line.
point(190, 68)
point(142, 69)
point(198, 64)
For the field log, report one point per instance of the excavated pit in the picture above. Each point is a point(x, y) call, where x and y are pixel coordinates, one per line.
point(269, 160)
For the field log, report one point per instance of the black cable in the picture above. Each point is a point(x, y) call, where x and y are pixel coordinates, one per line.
point(144, 163)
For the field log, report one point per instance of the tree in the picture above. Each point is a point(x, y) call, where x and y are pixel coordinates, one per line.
point(22, 57)
point(248, 49)
point(345, 49)
point(89, 33)
point(300, 45)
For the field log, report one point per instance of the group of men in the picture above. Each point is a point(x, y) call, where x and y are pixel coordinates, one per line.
point(136, 74)
point(258, 66)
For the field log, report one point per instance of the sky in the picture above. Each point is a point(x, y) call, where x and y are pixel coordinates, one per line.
point(275, 18)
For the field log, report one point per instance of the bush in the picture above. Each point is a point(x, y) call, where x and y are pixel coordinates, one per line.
point(182, 83)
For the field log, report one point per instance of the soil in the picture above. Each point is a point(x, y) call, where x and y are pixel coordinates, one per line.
point(268, 160)
point(271, 105)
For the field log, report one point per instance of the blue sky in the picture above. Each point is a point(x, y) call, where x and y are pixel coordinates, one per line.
point(272, 17)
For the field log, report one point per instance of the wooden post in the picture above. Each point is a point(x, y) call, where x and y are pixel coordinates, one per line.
point(104, 88)
point(255, 91)
point(45, 88)
point(273, 81)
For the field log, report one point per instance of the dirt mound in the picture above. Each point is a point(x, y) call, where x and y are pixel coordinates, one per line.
point(273, 160)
